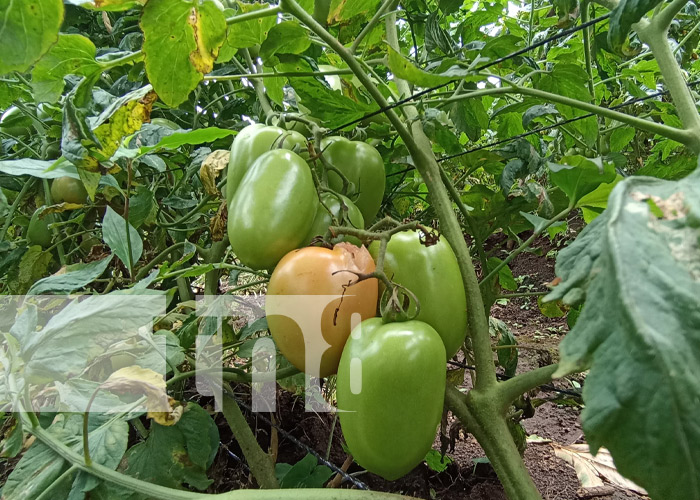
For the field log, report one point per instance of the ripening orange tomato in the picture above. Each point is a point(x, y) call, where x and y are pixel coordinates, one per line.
point(309, 293)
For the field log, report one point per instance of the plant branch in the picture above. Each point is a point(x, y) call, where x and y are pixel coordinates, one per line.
point(256, 14)
point(260, 464)
point(383, 9)
point(513, 388)
point(13, 208)
point(686, 137)
point(257, 85)
point(525, 244)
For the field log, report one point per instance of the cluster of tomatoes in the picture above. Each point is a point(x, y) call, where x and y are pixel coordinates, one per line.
point(390, 375)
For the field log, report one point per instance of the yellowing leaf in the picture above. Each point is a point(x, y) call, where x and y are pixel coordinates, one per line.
point(137, 380)
point(127, 120)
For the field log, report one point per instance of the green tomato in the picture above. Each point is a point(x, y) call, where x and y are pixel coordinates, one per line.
point(250, 144)
point(272, 210)
point(323, 220)
point(69, 190)
point(364, 168)
point(15, 122)
point(390, 390)
point(432, 274)
point(38, 232)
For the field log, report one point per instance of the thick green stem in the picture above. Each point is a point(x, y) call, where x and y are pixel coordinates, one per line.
point(256, 14)
point(483, 418)
point(258, 86)
point(587, 53)
point(214, 255)
point(655, 34)
point(512, 389)
point(260, 463)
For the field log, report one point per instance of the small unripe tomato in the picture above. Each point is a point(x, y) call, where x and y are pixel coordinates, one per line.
point(69, 190)
point(38, 231)
point(305, 274)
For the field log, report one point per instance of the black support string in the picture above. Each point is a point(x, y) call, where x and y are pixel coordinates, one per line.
point(559, 124)
point(500, 60)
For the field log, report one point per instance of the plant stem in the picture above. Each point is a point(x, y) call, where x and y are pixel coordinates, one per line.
point(655, 34)
point(477, 411)
point(513, 388)
point(260, 464)
point(525, 244)
point(13, 208)
point(385, 7)
point(585, 6)
point(258, 86)
point(686, 137)
point(52, 218)
point(256, 14)
point(214, 255)
point(157, 260)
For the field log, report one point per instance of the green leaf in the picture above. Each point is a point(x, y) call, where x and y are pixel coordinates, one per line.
point(436, 37)
point(114, 234)
point(304, 474)
point(33, 266)
point(577, 175)
point(176, 455)
point(469, 116)
point(74, 278)
point(436, 461)
point(539, 223)
point(624, 16)
point(71, 55)
point(596, 201)
point(287, 37)
point(505, 275)
point(40, 466)
point(449, 6)
point(550, 309)
point(537, 111)
point(181, 42)
point(331, 107)
point(638, 265)
point(28, 30)
point(249, 33)
point(507, 358)
point(191, 137)
point(621, 137)
point(406, 70)
point(342, 10)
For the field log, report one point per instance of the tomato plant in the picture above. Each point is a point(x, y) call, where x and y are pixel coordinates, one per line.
point(190, 151)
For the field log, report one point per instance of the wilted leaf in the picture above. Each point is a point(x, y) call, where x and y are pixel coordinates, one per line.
point(137, 380)
point(591, 470)
point(211, 168)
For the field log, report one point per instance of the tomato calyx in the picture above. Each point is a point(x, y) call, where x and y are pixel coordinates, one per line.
point(395, 304)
